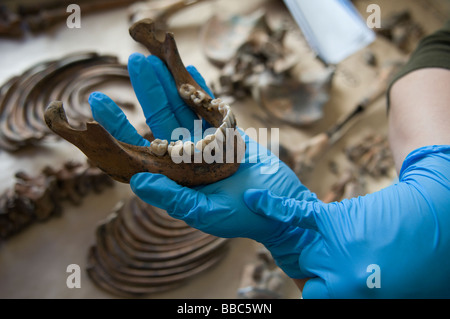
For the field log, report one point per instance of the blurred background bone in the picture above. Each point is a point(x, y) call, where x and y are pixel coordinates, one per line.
point(140, 251)
point(262, 279)
point(160, 11)
point(37, 17)
point(255, 61)
point(38, 198)
point(24, 97)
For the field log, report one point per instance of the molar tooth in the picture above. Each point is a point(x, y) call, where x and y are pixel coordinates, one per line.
point(216, 103)
point(186, 90)
point(198, 97)
point(159, 147)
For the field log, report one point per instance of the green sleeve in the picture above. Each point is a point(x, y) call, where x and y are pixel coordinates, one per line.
point(433, 51)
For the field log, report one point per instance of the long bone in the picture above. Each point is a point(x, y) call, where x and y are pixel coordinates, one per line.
point(160, 11)
point(121, 160)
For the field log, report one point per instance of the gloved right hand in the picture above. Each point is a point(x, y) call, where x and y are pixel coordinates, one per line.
point(218, 208)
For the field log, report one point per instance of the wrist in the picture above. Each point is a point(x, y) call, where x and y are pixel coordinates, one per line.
point(286, 249)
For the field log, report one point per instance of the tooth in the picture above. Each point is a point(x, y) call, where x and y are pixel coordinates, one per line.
point(186, 90)
point(175, 148)
point(227, 120)
point(220, 133)
point(216, 103)
point(170, 147)
point(232, 119)
point(209, 138)
point(189, 148)
point(198, 97)
point(219, 136)
point(211, 146)
point(202, 143)
point(224, 108)
point(223, 128)
point(159, 147)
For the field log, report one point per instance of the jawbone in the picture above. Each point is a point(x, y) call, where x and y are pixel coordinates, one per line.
point(121, 160)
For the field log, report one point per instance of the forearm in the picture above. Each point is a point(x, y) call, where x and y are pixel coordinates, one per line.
point(420, 112)
point(418, 101)
point(419, 98)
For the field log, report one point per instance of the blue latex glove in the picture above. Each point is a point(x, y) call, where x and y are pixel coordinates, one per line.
point(219, 208)
point(397, 238)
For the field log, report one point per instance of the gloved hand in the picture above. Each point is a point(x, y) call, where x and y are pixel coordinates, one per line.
point(394, 243)
point(219, 208)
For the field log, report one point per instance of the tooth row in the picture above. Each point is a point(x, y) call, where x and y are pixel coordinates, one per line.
point(229, 121)
point(188, 91)
point(162, 147)
point(225, 110)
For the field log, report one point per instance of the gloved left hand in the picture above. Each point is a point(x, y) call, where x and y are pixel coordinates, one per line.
point(218, 208)
point(393, 243)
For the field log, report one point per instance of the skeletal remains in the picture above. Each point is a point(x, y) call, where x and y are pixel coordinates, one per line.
point(372, 156)
point(262, 279)
point(140, 250)
point(160, 11)
point(36, 17)
point(23, 98)
point(121, 160)
point(38, 198)
point(256, 58)
point(40, 17)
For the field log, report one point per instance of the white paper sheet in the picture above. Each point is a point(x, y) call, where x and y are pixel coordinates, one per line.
point(333, 28)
